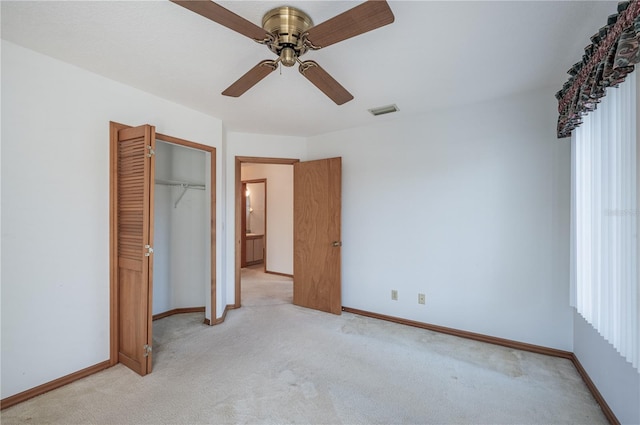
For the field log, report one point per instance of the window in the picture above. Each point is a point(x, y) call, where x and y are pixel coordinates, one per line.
point(604, 248)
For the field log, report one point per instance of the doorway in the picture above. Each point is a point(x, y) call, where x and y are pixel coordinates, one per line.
point(181, 217)
point(241, 215)
point(132, 211)
point(316, 231)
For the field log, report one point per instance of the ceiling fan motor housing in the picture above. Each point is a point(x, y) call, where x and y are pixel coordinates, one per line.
point(287, 24)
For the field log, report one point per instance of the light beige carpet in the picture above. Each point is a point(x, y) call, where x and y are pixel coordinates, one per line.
point(272, 362)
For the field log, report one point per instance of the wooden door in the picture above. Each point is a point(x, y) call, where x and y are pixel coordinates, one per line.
point(317, 188)
point(135, 173)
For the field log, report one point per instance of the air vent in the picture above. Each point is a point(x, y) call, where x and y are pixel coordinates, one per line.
point(384, 110)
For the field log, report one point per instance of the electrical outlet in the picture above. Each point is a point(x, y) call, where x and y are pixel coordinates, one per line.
point(394, 295)
point(421, 299)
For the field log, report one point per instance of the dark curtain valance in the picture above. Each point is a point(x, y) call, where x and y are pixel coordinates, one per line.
point(612, 54)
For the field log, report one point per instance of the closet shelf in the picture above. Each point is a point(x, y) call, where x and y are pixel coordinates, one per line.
point(184, 185)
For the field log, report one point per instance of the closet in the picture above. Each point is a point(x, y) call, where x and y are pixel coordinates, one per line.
point(162, 237)
point(181, 266)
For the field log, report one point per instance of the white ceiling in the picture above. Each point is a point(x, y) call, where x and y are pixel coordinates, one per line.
point(437, 54)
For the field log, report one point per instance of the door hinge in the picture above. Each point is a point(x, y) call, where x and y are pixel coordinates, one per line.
point(147, 350)
point(149, 250)
point(151, 152)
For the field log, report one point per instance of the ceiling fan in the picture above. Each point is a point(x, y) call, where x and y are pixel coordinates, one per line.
point(289, 33)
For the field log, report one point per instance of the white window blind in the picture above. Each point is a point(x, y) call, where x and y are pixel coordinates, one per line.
point(604, 234)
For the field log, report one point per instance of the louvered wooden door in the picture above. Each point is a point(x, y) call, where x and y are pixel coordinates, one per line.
point(135, 172)
point(317, 188)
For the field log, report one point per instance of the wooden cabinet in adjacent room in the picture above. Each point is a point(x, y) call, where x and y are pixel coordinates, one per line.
point(255, 249)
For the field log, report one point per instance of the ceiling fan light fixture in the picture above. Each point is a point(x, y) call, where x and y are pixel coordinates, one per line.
point(288, 56)
point(383, 110)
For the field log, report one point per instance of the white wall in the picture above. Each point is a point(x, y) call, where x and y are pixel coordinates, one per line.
point(470, 207)
point(616, 379)
point(162, 249)
point(55, 209)
point(279, 213)
point(251, 145)
point(162, 232)
point(190, 265)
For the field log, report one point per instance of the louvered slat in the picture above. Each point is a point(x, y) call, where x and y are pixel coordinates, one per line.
point(131, 157)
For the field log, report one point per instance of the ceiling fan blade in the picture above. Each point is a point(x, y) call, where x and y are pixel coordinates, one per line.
point(224, 17)
point(365, 17)
point(325, 82)
point(251, 78)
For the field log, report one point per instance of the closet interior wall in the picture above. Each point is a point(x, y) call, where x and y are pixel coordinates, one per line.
point(181, 267)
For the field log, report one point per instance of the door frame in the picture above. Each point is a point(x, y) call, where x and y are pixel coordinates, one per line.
point(239, 160)
point(114, 127)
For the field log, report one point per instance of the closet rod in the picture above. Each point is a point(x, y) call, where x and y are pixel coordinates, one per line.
point(188, 185)
point(185, 186)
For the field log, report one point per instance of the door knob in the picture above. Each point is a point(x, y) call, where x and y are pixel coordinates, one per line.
point(337, 243)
